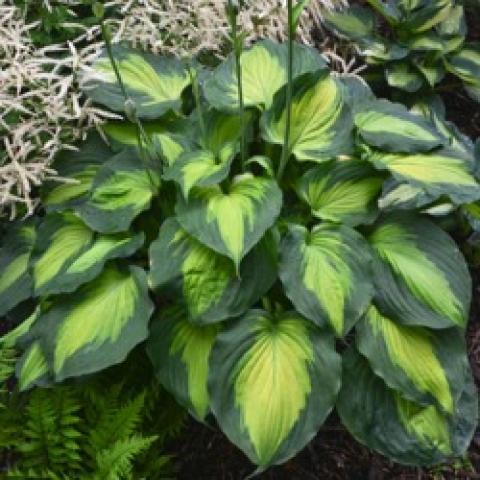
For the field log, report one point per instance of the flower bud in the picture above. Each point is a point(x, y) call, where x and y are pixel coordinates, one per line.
point(130, 110)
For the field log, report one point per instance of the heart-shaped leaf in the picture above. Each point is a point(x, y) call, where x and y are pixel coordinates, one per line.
point(421, 276)
point(153, 83)
point(211, 289)
point(327, 274)
point(272, 383)
point(405, 431)
point(231, 222)
point(321, 122)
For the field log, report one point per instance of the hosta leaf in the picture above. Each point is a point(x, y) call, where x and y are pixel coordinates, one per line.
point(381, 50)
point(264, 71)
point(342, 191)
point(321, 122)
point(442, 172)
point(272, 383)
point(231, 222)
point(155, 84)
point(425, 42)
point(179, 352)
point(421, 277)
point(356, 23)
point(455, 24)
point(401, 75)
point(62, 237)
point(210, 164)
point(402, 196)
point(358, 93)
point(223, 133)
point(404, 431)
point(207, 281)
point(122, 189)
point(80, 167)
point(15, 278)
point(327, 274)
point(198, 169)
point(388, 9)
point(98, 326)
point(433, 73)
point(391, 127)
point(32, 368)
point(426, 366)
point(434, 109)
point(165, 139)
point(67, 253)
point(423, 15)
point(466, 63)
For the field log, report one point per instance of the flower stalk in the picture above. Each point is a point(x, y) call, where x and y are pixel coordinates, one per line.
point(237, 40)
point(286, 143)
point(143, 139)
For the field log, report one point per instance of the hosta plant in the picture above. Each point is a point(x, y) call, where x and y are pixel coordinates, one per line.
point(313, 275)
point(416, 43)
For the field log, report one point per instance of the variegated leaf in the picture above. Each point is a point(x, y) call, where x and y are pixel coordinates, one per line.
point(264, 72)
point(428, 367)
point(67, 253)
point(155, 84)
point(122, 189)
point(321, 122)
point(80, 168)
point(403, 430)
point(391, 127)
point(442, 172)
point(15, 277)
point(327, 274)
point(421, 276)
point(272, 382)
point(342, 191)
point(207, 281)
point(95, 328)
point(231, 222)
point(180, 352)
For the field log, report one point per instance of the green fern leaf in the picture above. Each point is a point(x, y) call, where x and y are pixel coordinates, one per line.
point(116, 462)
point(116, 423)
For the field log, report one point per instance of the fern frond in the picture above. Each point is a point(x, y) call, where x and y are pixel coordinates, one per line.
point(51, 436)
point(164, 416)
point(33, 474)
point(8, 357)
point(116, 462)
point(116, 423)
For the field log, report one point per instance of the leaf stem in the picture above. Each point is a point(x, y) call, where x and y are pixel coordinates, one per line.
point(286, 143)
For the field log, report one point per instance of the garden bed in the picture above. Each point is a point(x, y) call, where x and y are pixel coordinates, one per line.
point(204, 453)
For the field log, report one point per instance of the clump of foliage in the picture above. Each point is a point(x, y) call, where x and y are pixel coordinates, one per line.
point(110, 427)
point(58, 22)
point(416, 44)
point(241, 221)
point(44, 44)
